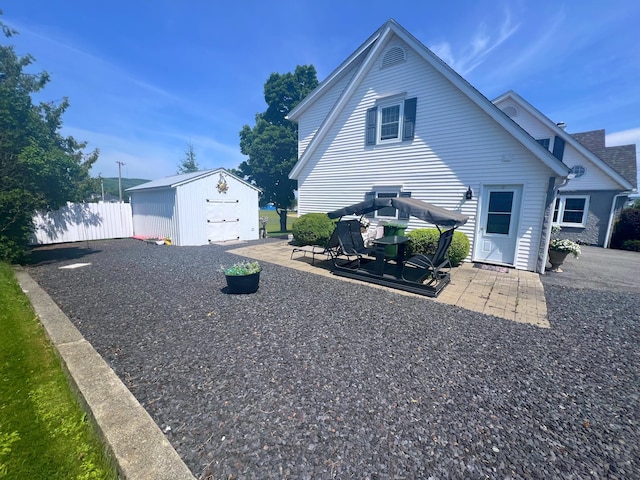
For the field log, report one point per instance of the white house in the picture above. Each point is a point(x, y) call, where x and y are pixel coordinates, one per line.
point(603, 177)
point(196, 208)
point(394, 120)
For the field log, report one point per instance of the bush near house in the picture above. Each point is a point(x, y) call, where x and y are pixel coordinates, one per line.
point(627, 230)
point(425, 240)
point(312, 229)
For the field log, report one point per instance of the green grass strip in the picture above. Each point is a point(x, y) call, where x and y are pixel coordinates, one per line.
point(44, 433)
point(273, 225)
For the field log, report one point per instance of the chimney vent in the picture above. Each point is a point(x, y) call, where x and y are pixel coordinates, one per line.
point(562, 125)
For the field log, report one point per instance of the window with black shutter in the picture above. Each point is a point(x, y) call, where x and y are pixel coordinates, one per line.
point(391, 121)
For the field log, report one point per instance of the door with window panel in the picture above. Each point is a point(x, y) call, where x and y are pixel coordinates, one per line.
point(497, 240)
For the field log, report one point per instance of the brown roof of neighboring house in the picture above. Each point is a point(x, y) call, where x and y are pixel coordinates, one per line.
point(622, 158)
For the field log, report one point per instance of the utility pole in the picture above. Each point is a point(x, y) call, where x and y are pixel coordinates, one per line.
point(120, 164)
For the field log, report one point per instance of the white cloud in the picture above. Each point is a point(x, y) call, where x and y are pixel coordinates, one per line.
point(478, 48)
point(153, 157)
point(624, 137)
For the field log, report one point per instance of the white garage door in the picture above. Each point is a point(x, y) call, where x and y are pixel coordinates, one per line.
point(223, 223)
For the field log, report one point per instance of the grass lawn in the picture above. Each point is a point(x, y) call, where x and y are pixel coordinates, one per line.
point(273, 226)
point(44, 433)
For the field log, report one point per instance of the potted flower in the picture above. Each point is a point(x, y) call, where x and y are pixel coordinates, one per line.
point(560, 248)
point(243, 277)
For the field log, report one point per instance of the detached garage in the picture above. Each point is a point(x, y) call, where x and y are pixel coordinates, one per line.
point(196, 208)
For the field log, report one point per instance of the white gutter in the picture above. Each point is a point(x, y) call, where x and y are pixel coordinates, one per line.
point(607, 238)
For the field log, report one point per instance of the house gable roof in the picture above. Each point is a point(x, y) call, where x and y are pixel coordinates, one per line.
point(178, 180)
point(367, 53)
point(594, 148)
point(621, 158)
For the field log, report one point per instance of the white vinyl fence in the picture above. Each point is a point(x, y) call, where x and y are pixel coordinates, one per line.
point(83, 221)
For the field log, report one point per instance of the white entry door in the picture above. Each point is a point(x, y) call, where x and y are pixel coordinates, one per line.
point(498, 230)
point(223, 222)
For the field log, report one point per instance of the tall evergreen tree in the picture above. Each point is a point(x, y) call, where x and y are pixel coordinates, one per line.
point(189, 163)
point(39, 168)
point(272, 143)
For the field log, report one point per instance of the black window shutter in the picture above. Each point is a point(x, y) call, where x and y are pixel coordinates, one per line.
point(372, 115)
point(369, 196)
point(401, 215)
point(558, 148)
point(409, 128)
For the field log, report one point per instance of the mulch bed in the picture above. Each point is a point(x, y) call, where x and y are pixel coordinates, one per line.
point(314, 377)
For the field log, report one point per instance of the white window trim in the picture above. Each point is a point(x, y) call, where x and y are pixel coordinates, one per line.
point(385, 103)
point(561, 205)
point(386, 189)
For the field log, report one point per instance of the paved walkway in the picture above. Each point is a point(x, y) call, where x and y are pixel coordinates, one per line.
point(506, 293)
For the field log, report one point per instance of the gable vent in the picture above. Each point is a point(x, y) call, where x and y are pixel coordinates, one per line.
point(393, 56)
point(511, 111)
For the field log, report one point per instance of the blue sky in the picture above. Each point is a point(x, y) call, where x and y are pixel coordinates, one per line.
point(146, 77)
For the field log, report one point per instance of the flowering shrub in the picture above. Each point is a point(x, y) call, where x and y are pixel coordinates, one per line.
point(242, 268)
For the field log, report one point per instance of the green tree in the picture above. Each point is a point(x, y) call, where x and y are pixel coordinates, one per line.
point(39, 168)
point(188, 163)
point(272, 143)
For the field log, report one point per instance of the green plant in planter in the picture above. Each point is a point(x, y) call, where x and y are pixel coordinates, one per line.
point(563, 245)
point(240, 269)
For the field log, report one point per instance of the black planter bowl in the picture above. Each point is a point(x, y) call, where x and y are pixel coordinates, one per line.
point(243, 283)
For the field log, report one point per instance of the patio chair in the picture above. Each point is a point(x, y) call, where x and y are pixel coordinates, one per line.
point(420, 266)
point(351, 242)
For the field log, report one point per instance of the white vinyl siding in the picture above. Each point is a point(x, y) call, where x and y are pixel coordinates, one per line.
point(456, 145)
point(312, 119)
point(594, 179)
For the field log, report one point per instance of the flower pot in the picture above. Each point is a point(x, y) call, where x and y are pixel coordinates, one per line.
point(243, 283)
point(556, 259)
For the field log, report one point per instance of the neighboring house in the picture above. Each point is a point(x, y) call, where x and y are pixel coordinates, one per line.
point(395, 120)
point(196, 208)
point(601, 177)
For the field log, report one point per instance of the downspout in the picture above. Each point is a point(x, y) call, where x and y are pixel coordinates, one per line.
point(545, 234)
point(607, 238)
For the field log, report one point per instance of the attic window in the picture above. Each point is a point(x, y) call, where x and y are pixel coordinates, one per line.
point(393, 56)
point(510, 111)
point(578, 171)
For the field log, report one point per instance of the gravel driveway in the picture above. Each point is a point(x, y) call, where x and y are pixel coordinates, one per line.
point(314, 378)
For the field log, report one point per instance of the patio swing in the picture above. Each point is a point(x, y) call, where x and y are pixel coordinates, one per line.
point(421, 274)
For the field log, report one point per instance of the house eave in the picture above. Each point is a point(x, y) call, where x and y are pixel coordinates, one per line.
point(392, 27)
point(615, 176)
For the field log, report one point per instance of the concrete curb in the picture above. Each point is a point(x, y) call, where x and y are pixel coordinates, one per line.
point(139, 448)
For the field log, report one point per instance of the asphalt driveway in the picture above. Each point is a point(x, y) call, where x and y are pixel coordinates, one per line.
point(312, 377)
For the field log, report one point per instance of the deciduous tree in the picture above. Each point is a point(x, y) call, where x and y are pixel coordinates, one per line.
point(39, 168)
point(272, 143)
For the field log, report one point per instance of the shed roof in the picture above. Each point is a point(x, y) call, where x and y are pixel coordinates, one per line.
point(176, 180)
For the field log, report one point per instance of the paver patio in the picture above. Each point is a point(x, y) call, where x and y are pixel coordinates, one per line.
point(511, 294)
